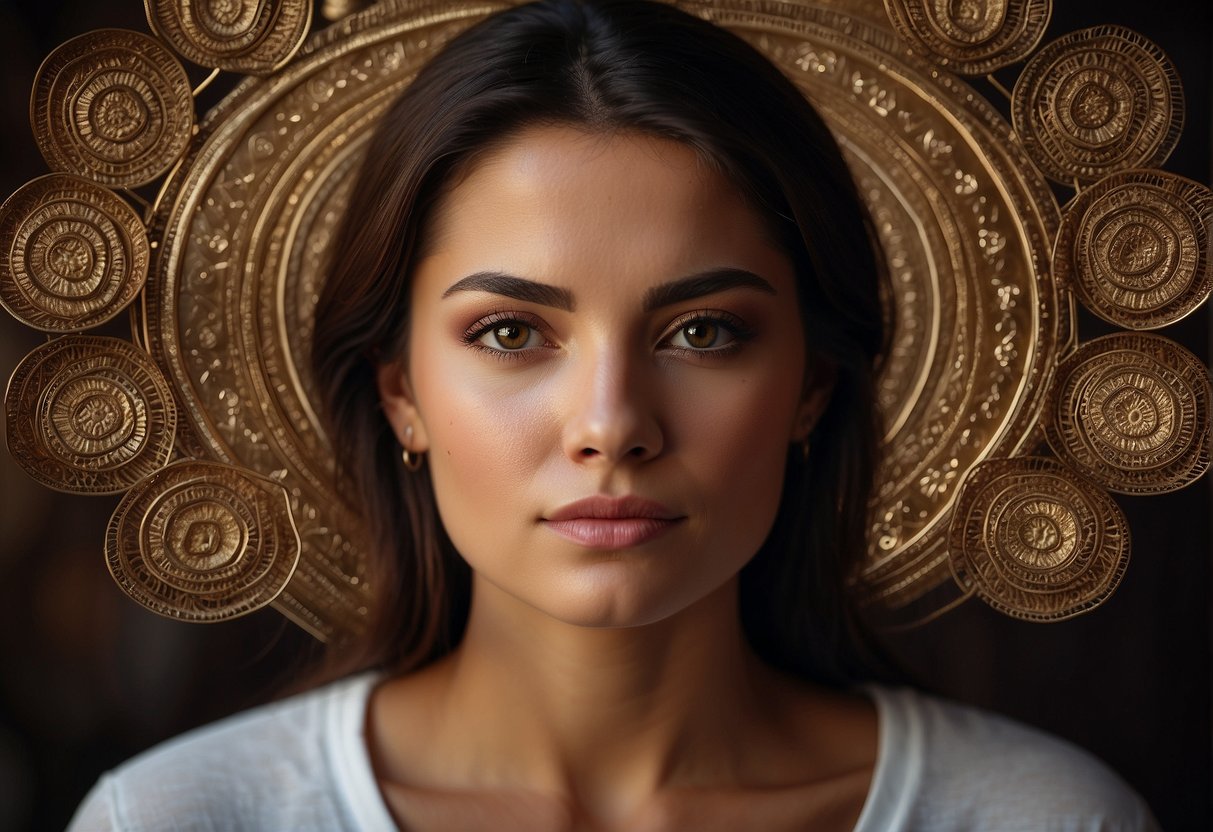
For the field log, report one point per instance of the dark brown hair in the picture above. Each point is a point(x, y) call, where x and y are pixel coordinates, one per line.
point(610, 65)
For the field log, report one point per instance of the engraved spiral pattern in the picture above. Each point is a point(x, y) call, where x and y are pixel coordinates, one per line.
point(1135, 248)
point(89, 415)
point(203, 541)
point(1035, 541)
point(254, 37)
point(1131, 411)
point(971, 37)
point(72, 254)
point(1098, 101)
point(112, 106)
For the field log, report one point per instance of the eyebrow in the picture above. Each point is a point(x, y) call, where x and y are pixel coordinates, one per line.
point(685, 288)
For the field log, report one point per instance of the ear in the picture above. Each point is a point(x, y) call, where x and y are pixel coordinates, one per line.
point(818, 387)
point(400, 406)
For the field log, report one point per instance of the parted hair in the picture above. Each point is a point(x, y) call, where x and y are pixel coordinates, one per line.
point(606, 66)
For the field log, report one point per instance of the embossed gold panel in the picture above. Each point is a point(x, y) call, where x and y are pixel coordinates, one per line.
point(979, 321)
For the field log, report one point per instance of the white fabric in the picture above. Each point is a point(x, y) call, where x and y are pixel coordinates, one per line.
point(302, 765)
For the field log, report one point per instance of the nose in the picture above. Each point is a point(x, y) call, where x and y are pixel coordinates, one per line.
point(612, 414)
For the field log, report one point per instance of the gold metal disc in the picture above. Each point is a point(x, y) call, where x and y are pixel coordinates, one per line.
point(971, 37)
point(203, 541)
point(1098, 101)
point(113, 106)
point(72, 254)
point(1131, 411)
point(1035, 541)
point(1135, 248)
point(253, 37)
point(89, 415)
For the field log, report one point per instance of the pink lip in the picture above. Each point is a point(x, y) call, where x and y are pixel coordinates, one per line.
point(611, 522)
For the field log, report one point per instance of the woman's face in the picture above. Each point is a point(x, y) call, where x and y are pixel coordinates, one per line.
point(602, 316)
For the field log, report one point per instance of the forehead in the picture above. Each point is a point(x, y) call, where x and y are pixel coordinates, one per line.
point(555, 203)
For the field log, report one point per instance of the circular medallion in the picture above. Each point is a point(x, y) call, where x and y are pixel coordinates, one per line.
point(89, 415)
point(253, 37)
point(971, 37)
point(1135, 247)
point(112, 106)
point(1035, 541)
point(1098, 101)
point(72, 254)
point(203, 541)
point(1131, 411)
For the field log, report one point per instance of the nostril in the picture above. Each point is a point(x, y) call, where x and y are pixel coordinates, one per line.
point(588, 452)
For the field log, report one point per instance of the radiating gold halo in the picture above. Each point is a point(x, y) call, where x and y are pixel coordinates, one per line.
point(1098, 101)
point(250, 36)
point(1035, 541)
point(1134, 246)
point(72, 254)
point(203, 541)
point(113, 106)
point(1131, 411)
point(971, 37)
point(89, 415)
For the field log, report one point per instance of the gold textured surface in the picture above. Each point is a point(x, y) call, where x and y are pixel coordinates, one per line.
point(201, 541)
point(1035, 541)
point(1131, 411)
point(1135, 247)
point(72, 254)
point(979, 322)
point(254, 37)
point(89, 415)
point(113, 106)
point(1098, 101)
point(972, 37)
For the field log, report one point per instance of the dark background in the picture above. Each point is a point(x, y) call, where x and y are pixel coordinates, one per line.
point(87, 678)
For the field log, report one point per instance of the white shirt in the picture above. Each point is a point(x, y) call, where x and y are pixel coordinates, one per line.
point(302, 765)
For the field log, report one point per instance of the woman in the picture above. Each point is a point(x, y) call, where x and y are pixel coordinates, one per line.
point(597, 350)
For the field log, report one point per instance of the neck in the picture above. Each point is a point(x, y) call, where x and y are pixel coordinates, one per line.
point(606, 717)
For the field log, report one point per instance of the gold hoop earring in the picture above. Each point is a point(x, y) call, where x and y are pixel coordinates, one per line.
point(412, 461)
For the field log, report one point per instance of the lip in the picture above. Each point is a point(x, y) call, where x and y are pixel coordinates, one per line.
point(612, 522)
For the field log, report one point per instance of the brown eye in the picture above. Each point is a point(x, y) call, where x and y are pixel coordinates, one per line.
point(701, 334)
point(512, 336)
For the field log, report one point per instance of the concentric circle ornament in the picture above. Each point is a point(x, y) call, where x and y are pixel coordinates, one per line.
point(72, 254)
point(1135, 247)
point(1036, 541)
point(113, 106)
point(971, 37)
point(203, 541)
point(1098, 101)
point(1131, 411)
point(250, 36)
point(89, 415)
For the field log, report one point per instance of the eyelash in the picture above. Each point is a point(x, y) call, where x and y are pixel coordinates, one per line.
point(740, 331)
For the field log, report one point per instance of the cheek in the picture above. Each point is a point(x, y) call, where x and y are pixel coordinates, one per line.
point(735, 444)
point(485, 442)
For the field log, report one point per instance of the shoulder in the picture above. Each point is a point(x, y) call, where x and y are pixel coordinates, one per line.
point(946, 766)
point(279, 766)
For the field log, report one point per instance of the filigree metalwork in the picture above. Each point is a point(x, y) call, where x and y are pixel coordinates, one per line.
point(89, 415)
point(1135, 248)
point(1131, 411)
point(1035, 541)
point(971, 37)
point(112, 106)
point(255, 37)
point(202, 541)
point(1098, 101)
point(72, 254)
